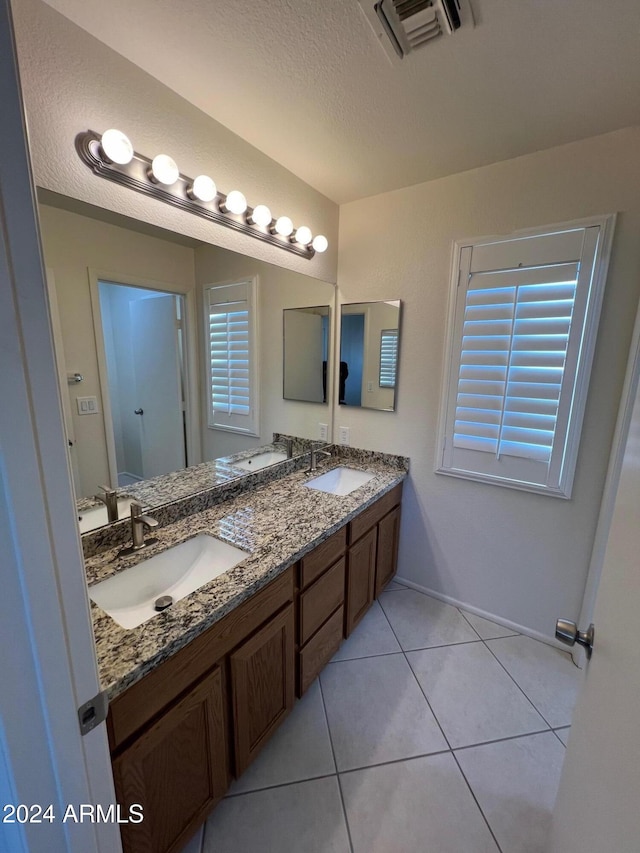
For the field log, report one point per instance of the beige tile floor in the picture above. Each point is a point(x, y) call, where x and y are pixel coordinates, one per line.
point(431, 731)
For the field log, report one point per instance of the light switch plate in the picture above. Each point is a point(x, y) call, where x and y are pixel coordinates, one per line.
point(87, 405)
point(323, 432)
point(344, 435)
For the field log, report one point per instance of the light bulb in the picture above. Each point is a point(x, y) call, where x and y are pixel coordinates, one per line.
point(203, 188)
point(164, 170)
point(304, 235)
point(320, 243)
point(283, 226)
point(261, 216)
point(235, 203)
point(116, 147)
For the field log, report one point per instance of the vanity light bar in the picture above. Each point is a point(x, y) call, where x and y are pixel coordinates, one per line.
point(111, 156)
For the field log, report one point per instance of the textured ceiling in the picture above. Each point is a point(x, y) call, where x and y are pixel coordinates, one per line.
point(307, 83)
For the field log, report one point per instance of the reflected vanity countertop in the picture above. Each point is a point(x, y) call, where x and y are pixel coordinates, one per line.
point(183, 483)
point(277, 523)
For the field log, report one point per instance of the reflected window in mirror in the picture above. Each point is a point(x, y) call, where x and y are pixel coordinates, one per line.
point(231, 356)
point(369, 347)
point(388, 358)
point(306, 340)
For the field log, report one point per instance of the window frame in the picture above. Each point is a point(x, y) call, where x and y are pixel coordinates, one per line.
point(252, 427)
point(564, 456)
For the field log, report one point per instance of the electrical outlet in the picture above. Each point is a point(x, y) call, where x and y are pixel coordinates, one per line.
point(324, 432)
point(344, 435)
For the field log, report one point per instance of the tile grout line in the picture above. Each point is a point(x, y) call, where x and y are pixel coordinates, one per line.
point(463, 613)
point(335, 764)
point(531, 702)
point(559, 738)
point(280, 785)
point(490, 650)
point(401, 651)
point(455, 758)
point(484, 817)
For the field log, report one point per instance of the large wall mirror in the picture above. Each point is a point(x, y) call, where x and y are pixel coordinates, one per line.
point(132, 344)
point(306, 339)
point(369, 351)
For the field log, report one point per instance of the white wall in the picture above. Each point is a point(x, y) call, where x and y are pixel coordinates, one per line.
point(73, 244)
point(277, 289)
point(520, 556)
point(72, 82)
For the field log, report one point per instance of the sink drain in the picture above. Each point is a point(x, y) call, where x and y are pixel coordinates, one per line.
point(163, 602)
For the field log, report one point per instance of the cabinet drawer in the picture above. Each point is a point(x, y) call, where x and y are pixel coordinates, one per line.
point(325, 555)
point(319, 601)
point(319, 650)
point(372, 515)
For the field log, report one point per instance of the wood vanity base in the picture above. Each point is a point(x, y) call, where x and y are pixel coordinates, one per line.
point(180, 734)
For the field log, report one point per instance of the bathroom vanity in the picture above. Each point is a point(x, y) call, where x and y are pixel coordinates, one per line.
point(197, 690)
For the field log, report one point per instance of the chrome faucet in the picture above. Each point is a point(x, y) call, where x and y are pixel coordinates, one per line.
point(139, 523)
point(315, 453)
point(110, 500)
point(287, 443)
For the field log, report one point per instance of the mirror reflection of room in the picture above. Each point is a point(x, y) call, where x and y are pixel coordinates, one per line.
point(369, 347)
point(149, 407)
point(306, 353)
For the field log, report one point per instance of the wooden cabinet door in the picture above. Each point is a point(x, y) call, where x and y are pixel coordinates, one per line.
point(177, 770)
point(387, 553)
point(361, 572)
point(262, 685)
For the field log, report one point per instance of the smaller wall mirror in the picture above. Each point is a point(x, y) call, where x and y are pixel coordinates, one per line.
point(369, 348)
point(306, 353)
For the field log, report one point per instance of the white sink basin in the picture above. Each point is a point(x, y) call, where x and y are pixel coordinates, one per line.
point(261, 460)
point(97, 516)
point(340, 481)
point(129, 597)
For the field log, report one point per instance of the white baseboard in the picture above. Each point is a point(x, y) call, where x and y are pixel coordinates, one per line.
point(506, 623)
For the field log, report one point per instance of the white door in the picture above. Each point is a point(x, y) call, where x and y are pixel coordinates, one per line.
point(62, 377)
point(158, 385)
point(47, 664)
point(598, 805)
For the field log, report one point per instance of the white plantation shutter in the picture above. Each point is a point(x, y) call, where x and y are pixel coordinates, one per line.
point(520, 350)
point(388, 358)
point(230, 325)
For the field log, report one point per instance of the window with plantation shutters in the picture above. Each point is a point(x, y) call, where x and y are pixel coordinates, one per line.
point(230, 331)
point(388, 358)
point(524, 318)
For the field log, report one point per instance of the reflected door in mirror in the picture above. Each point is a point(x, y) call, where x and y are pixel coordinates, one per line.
point(306, 349)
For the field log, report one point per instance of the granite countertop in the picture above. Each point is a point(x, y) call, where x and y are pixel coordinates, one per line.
point(277, 523)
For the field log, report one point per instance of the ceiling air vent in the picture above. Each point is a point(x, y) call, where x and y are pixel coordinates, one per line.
point(405, 25)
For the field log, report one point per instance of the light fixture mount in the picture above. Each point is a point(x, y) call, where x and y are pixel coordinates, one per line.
point(134, 175)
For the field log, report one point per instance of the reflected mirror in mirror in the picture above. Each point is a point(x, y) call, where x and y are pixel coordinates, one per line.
point(306, 337)
point(148, 268)
point(369, 349)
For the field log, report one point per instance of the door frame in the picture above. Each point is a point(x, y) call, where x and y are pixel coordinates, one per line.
point(190, 360)
point(49, 667)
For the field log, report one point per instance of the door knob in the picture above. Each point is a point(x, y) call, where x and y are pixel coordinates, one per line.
point(567, 632)
point(138, 411)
